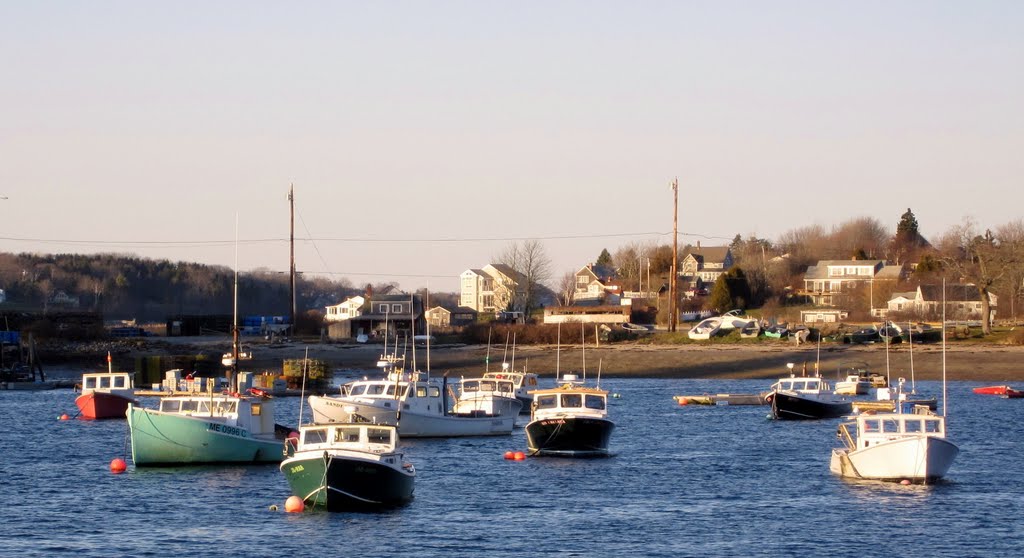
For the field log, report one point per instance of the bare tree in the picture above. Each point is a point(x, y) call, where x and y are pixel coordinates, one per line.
point(529, 259)
point(863, 236)
point(567, 288)
point(1011, 241)
point(977, 258)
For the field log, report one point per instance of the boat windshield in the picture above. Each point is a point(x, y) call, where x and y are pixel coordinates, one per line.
point(595, 402)
point(546, 402)
point(378, 435)
point(198, 407)
point(572, 400)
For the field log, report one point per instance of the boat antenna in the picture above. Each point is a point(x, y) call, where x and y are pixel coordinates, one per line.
point(583, 342)
point(558, 350)
point(910, 340)
point(412, 312)
point(599, 362)
point(487, 359)
point(885, 328)
point(302, 392)
point(943, 346)
point(513, 365)
point(504, 356)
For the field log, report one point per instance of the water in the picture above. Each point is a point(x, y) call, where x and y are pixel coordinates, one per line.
point(686, 481)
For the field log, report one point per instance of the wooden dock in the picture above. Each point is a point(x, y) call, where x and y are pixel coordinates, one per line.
point(721, 399)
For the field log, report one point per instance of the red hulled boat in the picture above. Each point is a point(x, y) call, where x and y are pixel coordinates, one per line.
point(993, 390)
point(105, 394)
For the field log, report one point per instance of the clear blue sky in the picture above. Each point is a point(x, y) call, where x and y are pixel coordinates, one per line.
point(145, 127)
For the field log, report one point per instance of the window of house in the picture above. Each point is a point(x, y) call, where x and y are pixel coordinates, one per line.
point(396, 308)
point(383, 308)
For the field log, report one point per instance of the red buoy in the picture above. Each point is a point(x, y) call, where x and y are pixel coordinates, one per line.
point(684, 401)
point(519, 456)
point(510, 455)
point(294, 504)
point(63, 417)
point(117, 465)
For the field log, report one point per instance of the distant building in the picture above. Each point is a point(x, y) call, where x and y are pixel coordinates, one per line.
point(439, 317)
point(493, 288)
point(703, 266)
point(345, 310)
point(962, 302)
point(596, 285)
point(830, 281)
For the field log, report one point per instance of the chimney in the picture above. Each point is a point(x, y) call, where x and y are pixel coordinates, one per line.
point(698, 245)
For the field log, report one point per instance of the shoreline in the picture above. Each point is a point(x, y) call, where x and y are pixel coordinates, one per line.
point(974, 362)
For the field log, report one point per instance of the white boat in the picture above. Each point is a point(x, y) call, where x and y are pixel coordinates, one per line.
point(705, 329)
point(854, 384)
point(895, 446)
point(524, 382)
point(487, 397)
point(348, 467)
point(418, 406)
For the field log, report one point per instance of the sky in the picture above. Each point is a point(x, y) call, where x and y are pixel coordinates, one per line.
point(423, 138)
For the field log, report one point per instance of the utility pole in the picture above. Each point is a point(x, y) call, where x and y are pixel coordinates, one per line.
point(291, 271)
point(673, 295)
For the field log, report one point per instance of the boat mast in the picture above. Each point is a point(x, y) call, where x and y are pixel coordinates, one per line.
point(943, 346)
point(291, 270)
point(233, 370)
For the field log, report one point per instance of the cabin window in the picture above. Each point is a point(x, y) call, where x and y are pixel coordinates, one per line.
point(89, 383)
point(374, 389)
point(435, 391)
point(170, 406)
point(890, 426)
point(487, 386)
point(572, 400)
point(470, 386)
point(257, 409)
point(317, 436)
point(531, 381)
point(913, 426)
point(189, 406)
point(595, 402)
point(119, 382)
point(357, 389)
point(932, 426)
point(347, 435)
point(378, 435)
point(421, 391)
point(872, 426)
point(546, 402)
point(105, 382)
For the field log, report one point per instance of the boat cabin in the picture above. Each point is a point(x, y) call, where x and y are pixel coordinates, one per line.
point(569, 400)
point(372, 438)
point(487, 386)
point(384, 389)
point(520, 380)
point(873, 429)
point(118, 383)
point(253, 413)
point(802, 384)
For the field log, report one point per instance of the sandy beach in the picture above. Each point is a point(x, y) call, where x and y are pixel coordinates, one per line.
point(971, 362)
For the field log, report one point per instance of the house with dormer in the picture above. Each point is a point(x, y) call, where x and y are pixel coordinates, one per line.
point(345, 310)
point(596, 285)
point(962, 302)
point(830, 282)
point(702, 266)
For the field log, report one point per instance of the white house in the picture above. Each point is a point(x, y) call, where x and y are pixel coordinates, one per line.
point(826, 282)
point(494, 288)
point(962, 302)
point(346, 310)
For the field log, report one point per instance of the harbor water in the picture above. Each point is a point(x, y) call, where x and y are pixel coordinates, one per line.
point(685, 481)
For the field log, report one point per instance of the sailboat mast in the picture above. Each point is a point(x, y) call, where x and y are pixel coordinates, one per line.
point(233, 371)
point(291, 244)
point(943, 346)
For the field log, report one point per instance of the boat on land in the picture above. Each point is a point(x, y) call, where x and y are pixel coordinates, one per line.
point(751, 330)
point(805, 398)
point(862, 335)
point(418, 405)
point(776, 332)
point(569, 420)
point(343, 467)
point(105, 394)
point(706, 329)
point(890, 332)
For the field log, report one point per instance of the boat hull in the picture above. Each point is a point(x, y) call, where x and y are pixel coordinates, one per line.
point(992, 390)
point(853, 388)
point(790, 407)
point(327, 410)
point(340, 482)
point(100, 405)
point(170, 439)
point(569, 436)
point(917, 459)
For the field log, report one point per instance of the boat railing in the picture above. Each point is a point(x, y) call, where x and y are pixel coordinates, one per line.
point(843, 433)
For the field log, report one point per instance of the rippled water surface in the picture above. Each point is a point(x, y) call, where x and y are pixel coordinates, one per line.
point(686, 481)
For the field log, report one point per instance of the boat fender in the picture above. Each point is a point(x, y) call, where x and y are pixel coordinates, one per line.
point(768, 398)
point(257, 392)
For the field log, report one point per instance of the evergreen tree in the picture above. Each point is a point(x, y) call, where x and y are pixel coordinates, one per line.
point(605, 259)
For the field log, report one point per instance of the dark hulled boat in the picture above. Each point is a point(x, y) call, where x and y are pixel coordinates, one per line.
point(345, 467)
point(570, 420)
point(806, 398)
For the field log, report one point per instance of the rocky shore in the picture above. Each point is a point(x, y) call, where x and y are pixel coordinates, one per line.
point(964, 361)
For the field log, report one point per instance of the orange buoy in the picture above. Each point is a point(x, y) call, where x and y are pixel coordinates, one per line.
point(510, 455)
point(905, 482)
point(519, 456)
point(684, 401)
point(117, 465)
point(294, 504)
point(63, 417)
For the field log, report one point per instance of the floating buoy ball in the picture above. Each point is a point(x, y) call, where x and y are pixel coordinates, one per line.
point(294, 504)
point(519, 456)
point(273, 507)
point(904, 482)
point(510, 455)
point(118, 465)
point(63, 417)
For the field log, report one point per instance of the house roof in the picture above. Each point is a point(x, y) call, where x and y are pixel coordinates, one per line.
point(893, 272)
point(710, 253)
point(507, 271)
point(954, 293)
